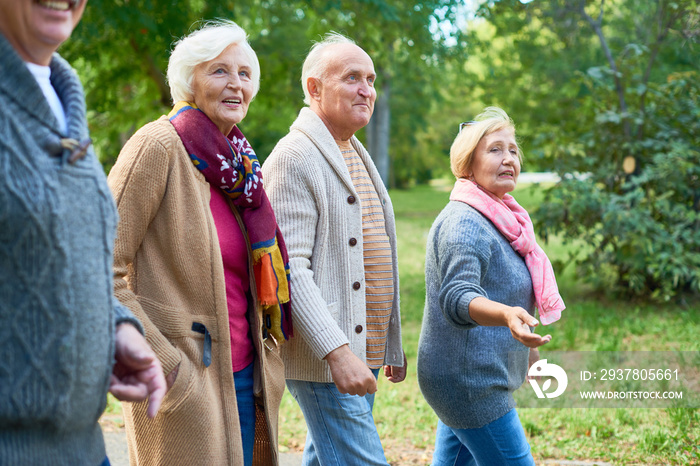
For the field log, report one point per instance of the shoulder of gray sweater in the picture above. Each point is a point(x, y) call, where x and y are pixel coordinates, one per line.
point(463, 215)
point(459, 223)
point(457, 215)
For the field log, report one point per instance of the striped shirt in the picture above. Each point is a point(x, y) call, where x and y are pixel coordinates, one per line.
point(379, 278)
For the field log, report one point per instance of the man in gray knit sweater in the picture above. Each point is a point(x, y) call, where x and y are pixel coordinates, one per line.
point(62, 329)
point(338, 223)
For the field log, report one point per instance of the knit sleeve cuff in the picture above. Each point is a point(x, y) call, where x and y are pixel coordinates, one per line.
point(463, 310)
point(122, 315)
point(326, 341)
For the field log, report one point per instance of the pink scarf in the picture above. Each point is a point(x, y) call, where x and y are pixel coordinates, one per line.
point(514, 223)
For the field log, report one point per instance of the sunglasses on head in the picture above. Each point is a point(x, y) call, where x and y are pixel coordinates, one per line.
point(465, 124)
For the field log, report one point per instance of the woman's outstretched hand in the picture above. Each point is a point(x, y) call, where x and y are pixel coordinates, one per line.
point(519, 322)
point(483, 311)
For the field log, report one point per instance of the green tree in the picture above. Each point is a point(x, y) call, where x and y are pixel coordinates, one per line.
point(121, 50)
point(410, 45)
point(620, 105)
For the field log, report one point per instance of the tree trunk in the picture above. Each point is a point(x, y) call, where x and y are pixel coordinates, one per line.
point(378, 130)
point(597, 25)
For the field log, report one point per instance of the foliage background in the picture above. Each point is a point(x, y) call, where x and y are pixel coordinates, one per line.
point(121, 48)
point(595, 87)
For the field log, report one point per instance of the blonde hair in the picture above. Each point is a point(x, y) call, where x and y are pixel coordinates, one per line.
point(203, 45)
point(492, 119)
point(315, 64)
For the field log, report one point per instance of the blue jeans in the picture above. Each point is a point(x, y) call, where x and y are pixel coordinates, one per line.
point(105, 462)
point(243, 380)
point(502, 442)
point(341, 428)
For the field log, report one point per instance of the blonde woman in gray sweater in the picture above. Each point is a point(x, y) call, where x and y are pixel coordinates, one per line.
point(484, 274)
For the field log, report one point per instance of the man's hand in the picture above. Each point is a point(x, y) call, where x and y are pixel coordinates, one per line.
point(395, 374)
point(137, 373)
point(349, 373)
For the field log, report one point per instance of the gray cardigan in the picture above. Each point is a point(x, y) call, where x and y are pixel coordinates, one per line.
point(467, 372)
point(58, 313)
point(318, 210)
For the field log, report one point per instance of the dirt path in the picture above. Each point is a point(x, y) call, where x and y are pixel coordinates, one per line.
point(118, 454)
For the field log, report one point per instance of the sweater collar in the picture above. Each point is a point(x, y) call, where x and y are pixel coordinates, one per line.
point(18, 84)
point(70, 91)
point(313, 127)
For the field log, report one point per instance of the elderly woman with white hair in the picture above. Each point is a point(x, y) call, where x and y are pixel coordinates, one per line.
point(484, 275)
point(200, 260)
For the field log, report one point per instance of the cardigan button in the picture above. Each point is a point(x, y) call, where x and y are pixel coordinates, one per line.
point(351, 199)
point(356, 286)
point(358, 329)
point(353, 241)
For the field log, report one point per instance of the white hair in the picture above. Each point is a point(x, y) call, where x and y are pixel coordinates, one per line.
point(315, 66)
point(201, 46)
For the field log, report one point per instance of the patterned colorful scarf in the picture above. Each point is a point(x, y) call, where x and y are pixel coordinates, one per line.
point(514, 223)
point(230, 164)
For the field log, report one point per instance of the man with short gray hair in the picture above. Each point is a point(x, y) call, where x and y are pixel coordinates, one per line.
point(338, 223)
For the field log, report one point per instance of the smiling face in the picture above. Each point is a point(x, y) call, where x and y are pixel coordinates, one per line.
point(344, 97)
point(496, 165)
point(223, 88)
point(36, 28)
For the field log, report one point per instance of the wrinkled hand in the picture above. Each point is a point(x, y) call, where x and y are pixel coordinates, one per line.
point(519, 321)
point(395, 374)
point(350, 374)
point(137, 373)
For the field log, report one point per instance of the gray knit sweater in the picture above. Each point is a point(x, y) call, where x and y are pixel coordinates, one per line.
point(467, 372)
point(58, 313)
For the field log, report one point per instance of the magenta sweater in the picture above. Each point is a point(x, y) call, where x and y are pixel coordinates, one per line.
point(234, 253)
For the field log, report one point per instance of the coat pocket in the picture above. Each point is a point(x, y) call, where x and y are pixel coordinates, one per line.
point(182, 387)
point(193, 337)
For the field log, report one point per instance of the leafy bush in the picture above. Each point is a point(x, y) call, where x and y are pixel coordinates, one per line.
point(641, 230)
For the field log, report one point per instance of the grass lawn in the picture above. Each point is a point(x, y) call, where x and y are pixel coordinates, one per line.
point(406, 423)
point(621, 436)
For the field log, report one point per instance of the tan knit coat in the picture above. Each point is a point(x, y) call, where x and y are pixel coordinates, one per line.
point(168, 270)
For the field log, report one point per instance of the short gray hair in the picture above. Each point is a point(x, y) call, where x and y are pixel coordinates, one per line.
point(201, 46)
point(314, 65)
